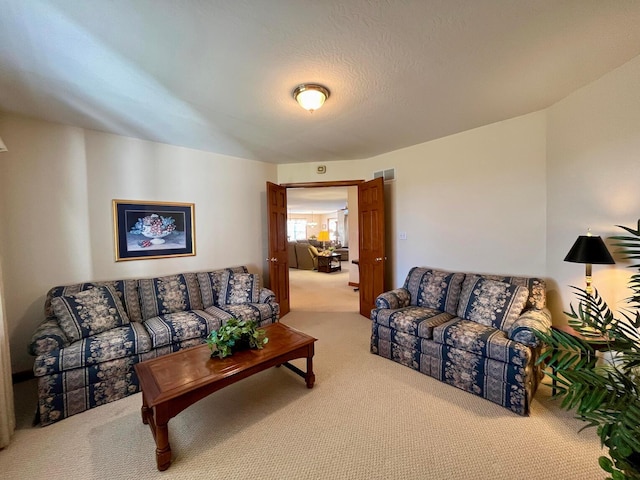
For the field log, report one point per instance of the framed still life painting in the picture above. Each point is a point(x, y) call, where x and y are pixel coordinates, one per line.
point(144, 230)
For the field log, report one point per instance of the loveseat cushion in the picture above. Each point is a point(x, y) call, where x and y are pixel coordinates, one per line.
point(491, 303)
point(89, 312)
point(418, 321)
point(482, 340)
point(434, 288)
point(239, 288)
point(170, 294)
point(537, 289)
point(119, 342)
point(211, 282)
point(179, 326)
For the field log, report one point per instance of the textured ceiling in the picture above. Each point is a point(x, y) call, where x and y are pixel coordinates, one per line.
point(218, 75)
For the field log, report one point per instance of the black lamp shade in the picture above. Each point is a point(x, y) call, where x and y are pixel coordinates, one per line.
point(589, 249)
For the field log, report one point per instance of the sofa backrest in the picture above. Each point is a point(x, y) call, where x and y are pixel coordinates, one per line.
point(140, 296)
point(211, 283)
point(169, 294)
point(127, 290)
point(537, 287)
point(417, 282)
point(434, 288)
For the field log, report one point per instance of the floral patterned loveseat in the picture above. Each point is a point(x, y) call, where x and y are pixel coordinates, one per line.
point(472, 331)
point(94, 333)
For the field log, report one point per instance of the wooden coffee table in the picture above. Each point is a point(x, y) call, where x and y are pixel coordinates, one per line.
point(175, 381)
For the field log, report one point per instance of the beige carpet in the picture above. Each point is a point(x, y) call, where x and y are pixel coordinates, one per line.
point(366, 418)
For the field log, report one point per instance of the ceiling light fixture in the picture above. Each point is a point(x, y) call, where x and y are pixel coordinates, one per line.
point(311, 96)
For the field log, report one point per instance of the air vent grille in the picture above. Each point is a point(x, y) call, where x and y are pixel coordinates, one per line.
point(388, 175)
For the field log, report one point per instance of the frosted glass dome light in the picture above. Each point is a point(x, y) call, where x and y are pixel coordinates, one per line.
point(311, 96)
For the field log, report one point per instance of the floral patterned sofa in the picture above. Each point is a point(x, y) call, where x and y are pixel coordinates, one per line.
point(94, 333)
point(475, 332)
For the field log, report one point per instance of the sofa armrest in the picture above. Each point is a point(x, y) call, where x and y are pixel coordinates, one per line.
point(397, 298)
point(267, 296)
point(47, 337)
point(523, 329)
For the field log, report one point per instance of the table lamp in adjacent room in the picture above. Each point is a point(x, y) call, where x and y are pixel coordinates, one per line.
point(323, 236)
point(589, 249)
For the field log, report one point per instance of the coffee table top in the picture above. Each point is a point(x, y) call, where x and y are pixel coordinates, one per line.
point(179, 372)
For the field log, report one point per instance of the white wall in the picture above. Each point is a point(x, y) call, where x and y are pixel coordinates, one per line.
point(473, 201)
point(57, 184)
point(593, 179)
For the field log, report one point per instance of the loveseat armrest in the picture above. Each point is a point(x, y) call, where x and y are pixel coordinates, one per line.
point(397, 298)
point(47, 337)
point(267, 296)
point(523, 329)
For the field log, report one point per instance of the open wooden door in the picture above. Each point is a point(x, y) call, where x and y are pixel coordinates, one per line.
point(278, 257)
point(371, 243)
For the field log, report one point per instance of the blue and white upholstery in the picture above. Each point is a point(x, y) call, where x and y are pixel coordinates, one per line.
point(475, 332)
point(94, 333)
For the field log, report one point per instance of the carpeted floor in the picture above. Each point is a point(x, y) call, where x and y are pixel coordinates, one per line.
point(366, 418)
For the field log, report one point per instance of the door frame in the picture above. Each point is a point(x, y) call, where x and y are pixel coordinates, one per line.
point(334, 183)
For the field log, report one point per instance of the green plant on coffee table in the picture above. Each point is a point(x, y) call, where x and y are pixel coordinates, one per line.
point(604, 394)
point(234, 335)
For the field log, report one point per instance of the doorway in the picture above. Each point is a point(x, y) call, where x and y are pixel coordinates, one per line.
point(371, 239)
point(322, 223)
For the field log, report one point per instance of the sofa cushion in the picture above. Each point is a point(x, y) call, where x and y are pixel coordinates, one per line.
point(262, 313)
point(89, 312)
point(127, 291)
point(210, 284)
point(482, 340)
point(170, 294)
point(418, 321)
point(491, 303)
point(179, 326)
point(434, 288)
point(239, 288)
point(119, 342)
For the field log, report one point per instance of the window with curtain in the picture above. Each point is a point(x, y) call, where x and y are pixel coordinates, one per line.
point(296, 229)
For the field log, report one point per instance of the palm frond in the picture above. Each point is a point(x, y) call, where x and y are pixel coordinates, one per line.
point(605, 396)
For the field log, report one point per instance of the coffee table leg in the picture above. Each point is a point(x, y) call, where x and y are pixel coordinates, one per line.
point(145, 411)
point(310, 376)
point(163, 449)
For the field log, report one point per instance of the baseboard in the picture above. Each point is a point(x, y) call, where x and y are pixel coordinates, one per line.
point(22, 376)
point(354, 284)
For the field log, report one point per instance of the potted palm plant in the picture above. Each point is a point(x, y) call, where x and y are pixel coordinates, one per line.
point(605, 394)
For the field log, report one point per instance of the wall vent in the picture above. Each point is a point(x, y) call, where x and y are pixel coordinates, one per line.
point(388, 175)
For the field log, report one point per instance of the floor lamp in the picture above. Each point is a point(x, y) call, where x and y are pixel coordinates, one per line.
point(323, 236)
